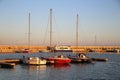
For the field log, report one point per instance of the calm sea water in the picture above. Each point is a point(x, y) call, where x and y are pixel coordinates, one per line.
point(109, 70)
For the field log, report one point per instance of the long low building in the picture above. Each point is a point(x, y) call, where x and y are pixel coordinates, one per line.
point(100, 49)
point(15, 48)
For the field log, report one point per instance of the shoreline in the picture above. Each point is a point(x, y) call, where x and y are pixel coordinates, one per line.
point(83, 49)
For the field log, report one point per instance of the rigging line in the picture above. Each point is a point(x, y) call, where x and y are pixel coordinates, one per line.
point(46, 32)
point(56, 26)
point(29, 36)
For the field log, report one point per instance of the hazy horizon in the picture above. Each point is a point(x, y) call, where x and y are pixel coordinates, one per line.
point(99, 22)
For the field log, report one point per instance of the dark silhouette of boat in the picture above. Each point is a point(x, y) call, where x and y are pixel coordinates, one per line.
point(80, 58)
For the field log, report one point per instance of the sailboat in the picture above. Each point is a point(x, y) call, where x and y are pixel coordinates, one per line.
point(32, 60)
point(79, 57)
point(27, 50)
point(59, 59)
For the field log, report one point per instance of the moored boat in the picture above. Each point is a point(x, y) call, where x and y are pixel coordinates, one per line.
point(60, 59)
point(26, 51)
point(23, 51)
point(80, 58)
point(33, 61)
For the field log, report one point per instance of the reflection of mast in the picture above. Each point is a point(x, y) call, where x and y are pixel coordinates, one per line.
point(50, 27)
point(29, 32)
point(77, 31)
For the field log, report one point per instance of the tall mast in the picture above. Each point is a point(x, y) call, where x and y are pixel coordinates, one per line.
point(95, 40)
point(50, 27)
point(29, 31)
point(77, 31)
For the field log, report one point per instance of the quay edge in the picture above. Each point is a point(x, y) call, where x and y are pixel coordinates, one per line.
point(84, 49)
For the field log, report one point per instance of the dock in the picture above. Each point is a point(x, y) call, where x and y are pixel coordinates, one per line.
point(8, 63)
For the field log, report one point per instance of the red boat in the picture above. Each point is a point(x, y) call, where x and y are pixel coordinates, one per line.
point(26, 51)
point(58, 60)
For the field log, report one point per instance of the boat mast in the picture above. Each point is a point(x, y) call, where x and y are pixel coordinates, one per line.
point(77, 32)
point(95, 40)
point(29, 31)
point(50, 27)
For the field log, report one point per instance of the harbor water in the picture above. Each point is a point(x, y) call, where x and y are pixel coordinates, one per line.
point(109, 70)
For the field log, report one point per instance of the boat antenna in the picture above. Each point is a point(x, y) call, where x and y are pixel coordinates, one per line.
point(95, 40)
point(77, 32)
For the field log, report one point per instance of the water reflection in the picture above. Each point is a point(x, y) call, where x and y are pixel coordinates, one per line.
point(36, 72)
point(60, 66)
point(58, 72)
point(34, 67)
point(109, 70)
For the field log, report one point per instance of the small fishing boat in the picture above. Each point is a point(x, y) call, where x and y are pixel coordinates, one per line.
point(33, 61)
point(26, 51)
point(80, 58)
point(60, 59)
point(23, 51)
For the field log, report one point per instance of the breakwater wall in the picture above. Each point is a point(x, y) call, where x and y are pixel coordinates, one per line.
point(14, 48)
point(101, 49)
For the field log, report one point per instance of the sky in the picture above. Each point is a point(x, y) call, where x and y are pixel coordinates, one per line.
point(98, 23)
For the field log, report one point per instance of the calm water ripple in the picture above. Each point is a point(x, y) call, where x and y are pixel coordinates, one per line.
point(109, 70)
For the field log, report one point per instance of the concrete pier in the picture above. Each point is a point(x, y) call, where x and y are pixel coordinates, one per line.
point(8, 63)
point(100, 49)
point(14, 48)
point(35, 49)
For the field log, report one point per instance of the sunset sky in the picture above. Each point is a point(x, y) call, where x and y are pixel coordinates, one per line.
point(99, 22)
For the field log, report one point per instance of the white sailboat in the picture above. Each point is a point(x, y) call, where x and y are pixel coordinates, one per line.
point(32, 60)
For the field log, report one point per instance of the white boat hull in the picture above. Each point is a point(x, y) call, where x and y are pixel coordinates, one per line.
point(34, 61)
